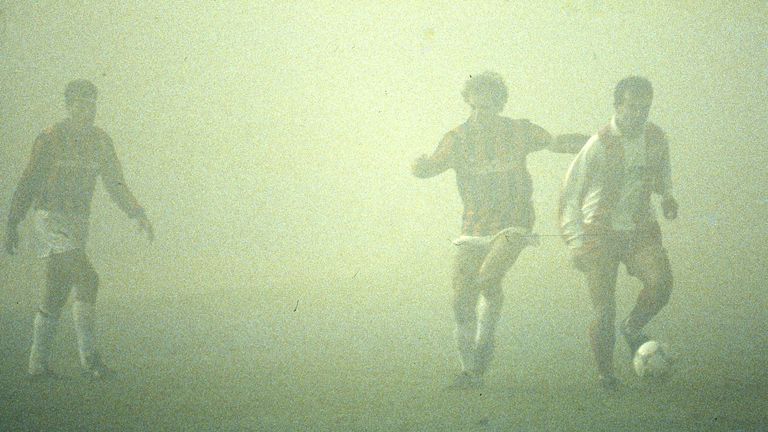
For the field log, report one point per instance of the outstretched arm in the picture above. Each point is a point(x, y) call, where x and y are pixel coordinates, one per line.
point(114, 183)
point(429, 166)
point(540, 139)
point(568, 143)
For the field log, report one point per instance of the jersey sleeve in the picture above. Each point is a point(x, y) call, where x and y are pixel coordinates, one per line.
point(537, 138)
point(575, 185)
point(441, 159)
point(32, 178)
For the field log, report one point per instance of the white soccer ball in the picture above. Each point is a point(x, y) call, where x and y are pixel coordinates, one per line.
point(653, 360)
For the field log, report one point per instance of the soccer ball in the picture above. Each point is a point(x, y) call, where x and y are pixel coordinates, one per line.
point(652, 360)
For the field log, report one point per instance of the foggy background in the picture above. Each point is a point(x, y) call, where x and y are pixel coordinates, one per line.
point(270, 143)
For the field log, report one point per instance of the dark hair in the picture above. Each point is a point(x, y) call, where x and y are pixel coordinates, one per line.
point(487, 80)
point(635, 83)
point(80, 88)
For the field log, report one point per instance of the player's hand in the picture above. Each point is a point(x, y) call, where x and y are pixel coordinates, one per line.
point(143, 224)
point(11, 240)
point(669, 208)
point(420, 166)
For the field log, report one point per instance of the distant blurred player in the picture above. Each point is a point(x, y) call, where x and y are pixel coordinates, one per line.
point(488, 153)
point(59, 182)
point(607, 219)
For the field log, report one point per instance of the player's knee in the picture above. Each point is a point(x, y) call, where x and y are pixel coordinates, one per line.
point(463, 277)
point(88, 288)
point(664, 289)
point(49, 311)
point(494, 295)
point(463, 315)
point(465, 285)
point(605, 315)
point(464, 308)
point(603, 328)
point(53, 299)
point(486, 282)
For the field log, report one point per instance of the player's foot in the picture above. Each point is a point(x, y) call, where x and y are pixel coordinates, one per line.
point(634, 338)
point(656, 381)
point(95, 368)
point(483, 354)
point(609, 383)
point(466, 381)
point(43, 375)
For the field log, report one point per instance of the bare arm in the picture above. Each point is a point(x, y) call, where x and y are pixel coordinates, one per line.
point(668, 202)
point(441, 160)
point(29, 185)
point(540, 139)
point(114, 182)
point(31, 180)
point(568, 143)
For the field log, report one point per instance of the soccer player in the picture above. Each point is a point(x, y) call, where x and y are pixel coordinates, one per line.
point(606, 218)
point(488, 153)
point(59, 182)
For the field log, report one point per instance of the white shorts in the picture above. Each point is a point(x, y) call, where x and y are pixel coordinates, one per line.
point(484, 241)
point(56, 232)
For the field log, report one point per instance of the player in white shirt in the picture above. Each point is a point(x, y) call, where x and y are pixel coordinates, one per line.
point(606, 218)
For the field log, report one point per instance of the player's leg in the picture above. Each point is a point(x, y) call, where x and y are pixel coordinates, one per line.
point(465, 296)
point(502, 254)
point(84, 315)
point(601, 273)
point(650, 264)
point(52, 300)
point(491, 302)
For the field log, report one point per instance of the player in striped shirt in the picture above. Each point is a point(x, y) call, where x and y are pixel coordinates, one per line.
point(488, 153)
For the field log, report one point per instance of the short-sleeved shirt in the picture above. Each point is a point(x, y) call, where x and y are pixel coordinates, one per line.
point(62, 172)
point(491, 174)
point(587, 187)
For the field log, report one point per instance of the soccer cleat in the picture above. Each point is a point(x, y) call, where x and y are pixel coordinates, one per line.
point(609, 383)
point(634, 338)
point(94, 368)
point(466, 381)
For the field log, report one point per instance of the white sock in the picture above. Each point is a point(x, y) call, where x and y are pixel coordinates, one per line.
point(465, 342)
point(83, 317)
point(488, 317)
point(44, 331)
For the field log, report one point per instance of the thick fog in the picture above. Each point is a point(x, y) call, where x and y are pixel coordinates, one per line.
point(270, 143)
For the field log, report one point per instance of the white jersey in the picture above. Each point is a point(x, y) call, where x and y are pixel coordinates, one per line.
point(581, 198)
